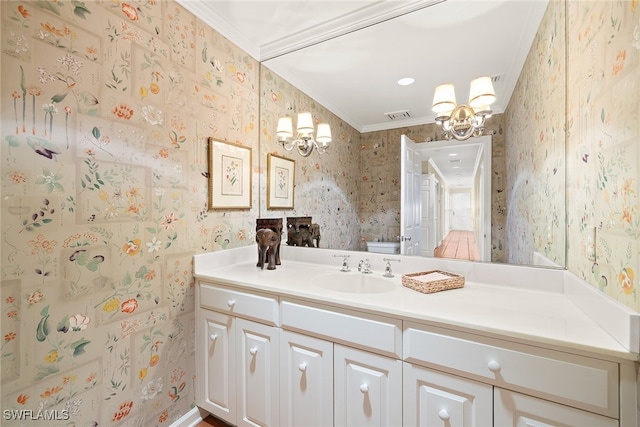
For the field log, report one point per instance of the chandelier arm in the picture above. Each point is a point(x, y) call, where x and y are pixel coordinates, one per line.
point(305, 147)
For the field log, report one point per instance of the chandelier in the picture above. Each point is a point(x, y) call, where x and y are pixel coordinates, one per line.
point(463, 121)
point(304, 141)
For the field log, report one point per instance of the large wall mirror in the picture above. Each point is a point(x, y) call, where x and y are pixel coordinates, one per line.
point(353, 191)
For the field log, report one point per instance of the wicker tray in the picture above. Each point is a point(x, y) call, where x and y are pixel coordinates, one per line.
point(432, 281)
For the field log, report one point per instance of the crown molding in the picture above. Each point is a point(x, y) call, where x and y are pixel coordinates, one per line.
point(347, 23)
point(205, 13)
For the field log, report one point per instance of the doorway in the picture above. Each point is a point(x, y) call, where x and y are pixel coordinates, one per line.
point(462, 207)
point(461, 211)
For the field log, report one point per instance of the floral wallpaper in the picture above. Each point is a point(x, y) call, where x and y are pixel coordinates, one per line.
point(326, 185)
point(603, 136)
point(106, 109)
point(535, 152)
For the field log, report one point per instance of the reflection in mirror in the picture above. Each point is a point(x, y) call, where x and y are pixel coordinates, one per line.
point(354, 191)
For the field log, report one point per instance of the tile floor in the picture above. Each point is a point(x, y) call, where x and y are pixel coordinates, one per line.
point(459, 245)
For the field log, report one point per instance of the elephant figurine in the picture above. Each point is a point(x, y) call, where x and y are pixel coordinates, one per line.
point(268, 248)
point(301, 237)
point(305, 237)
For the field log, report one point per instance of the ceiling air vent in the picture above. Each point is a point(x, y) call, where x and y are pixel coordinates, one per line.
point(497, 78)
point(398, 115)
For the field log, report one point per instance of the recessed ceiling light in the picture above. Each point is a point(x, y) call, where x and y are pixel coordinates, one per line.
point(406, 81)
point(453, 154)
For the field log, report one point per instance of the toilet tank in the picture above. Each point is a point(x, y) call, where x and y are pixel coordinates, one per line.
point(384, 247)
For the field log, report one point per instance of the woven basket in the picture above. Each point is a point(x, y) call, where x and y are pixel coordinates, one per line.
point(426, 286)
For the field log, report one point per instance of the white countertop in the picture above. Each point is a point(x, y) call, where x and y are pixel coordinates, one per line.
point(545, 314)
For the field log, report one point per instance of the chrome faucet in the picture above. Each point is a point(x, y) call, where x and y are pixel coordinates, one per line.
point(364, 266)
point(387, 269)
point(345, 262)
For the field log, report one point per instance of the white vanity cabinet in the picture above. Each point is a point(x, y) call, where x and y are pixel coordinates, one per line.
point(277, 349)
point(531, 386)
point(368, 389)
point(434, 398)
point(237, 359)
point(215, 363)
point(257, 372)
point(515, 409)
point(306, 380)
point(366, 381)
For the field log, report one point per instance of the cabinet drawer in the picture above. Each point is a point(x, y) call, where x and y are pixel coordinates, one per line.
point(521, 410)
point(256, 306)
point(582, 382)
point(380, 334)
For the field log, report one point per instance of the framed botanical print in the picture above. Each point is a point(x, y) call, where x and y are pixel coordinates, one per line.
point(229, 175)
point(280, 182)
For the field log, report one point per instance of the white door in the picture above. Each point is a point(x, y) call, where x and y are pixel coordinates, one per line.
point(429, 222)
point(306, 381)
point(257, 351)
point(433, 398)
point(216, 371)
point(461, 211)
point(368, 389)
point(410, 204)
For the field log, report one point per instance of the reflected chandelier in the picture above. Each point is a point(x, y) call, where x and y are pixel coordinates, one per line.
point(463, 121)
point(304, 142)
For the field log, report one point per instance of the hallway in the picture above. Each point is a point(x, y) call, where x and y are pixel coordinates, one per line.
point(458, 244)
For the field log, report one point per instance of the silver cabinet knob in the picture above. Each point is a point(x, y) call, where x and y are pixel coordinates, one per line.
point(231, 303)
point(213, 337)
point(364, 388)
point(302, 367)
point(253, 351)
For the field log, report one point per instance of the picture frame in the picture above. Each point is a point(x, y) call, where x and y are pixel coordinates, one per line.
point(280, 182)
point(229, 183)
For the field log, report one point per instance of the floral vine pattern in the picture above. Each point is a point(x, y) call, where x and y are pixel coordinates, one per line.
point(107, 109)
point(101, 157)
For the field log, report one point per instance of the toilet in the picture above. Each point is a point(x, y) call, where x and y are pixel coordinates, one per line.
point(384, 247)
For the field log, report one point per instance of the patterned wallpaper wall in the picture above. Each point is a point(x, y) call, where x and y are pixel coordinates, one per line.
point(534, 128)
point(326, 185)
point(603, 153)
point(106, 108)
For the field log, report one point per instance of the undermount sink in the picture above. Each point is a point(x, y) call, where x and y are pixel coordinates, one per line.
point(357, 283)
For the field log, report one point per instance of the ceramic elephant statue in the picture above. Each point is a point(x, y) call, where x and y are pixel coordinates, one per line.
point(302, 237)
point(268, 248)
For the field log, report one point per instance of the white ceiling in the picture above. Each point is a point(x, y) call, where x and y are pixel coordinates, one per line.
point(349, 55)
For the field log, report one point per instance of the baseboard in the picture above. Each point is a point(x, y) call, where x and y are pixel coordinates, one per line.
point(191, 418)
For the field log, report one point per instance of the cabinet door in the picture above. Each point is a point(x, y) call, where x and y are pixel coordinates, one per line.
point(367, 389)
point(257, 350)
point(519, 410)
point(306, 381)
point(215, 364)
point(433, 398)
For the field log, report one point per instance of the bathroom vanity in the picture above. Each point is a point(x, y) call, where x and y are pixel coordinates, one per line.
point(309, 345)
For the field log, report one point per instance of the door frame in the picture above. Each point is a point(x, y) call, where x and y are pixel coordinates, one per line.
point(483, 164)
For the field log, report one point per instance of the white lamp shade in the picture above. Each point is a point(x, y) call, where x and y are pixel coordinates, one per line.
point(305, 123)
point(481, 93)
point(285, 127)
point(444, 99)
point(324, 133)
